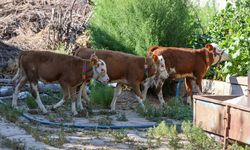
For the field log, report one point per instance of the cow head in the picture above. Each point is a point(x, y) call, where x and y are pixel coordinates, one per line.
point(159, 62)
point(99, 69)
point(218, 54)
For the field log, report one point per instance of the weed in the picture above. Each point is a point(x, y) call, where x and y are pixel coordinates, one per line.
point(57, 140)
point(198, 139)
point(9, 113)
point(163, 131)
point(31, 103)
point(121, 117)
point(54, 140)
point(107, 121)
point(236, 146)
point(60, 116)
point(120, 136)
point(175, 109)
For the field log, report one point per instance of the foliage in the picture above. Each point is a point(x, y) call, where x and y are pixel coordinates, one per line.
point(31, 103)
point(169, 132)
point(198, 139)
point(9, 113)
point(101, 95)
point(174, 109)
point(121, 117)
point(120, 135)
point(236, 146)
point(105, 121)
point(231, 29)
point(131, 26)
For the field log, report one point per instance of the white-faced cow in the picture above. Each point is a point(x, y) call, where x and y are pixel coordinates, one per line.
point(127, 69)
point(69, 71)
point(188, 63)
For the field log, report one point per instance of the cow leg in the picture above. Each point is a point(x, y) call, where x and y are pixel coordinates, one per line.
point(117, 92)
point(188, 85)
point(159, 92)
point(136, 88)
point(38, 99)
point(79, 97)
point(65, 96)
point(73, 95)
point(85, 95)
point(199, 86)
point(18, 87)
point(146, 85)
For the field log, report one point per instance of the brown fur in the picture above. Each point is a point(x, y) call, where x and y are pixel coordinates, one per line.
point(186, 62)
point(122, 66)
point(52, 67)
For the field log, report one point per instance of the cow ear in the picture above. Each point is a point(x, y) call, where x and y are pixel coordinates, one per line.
point(155, 57)
point(93, 59)
point(209, 47)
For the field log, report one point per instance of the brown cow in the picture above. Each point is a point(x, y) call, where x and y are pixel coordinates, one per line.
point(69, 71)
point(187, 63)
point(126, 69)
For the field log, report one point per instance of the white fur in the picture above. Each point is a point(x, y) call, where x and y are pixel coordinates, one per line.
point(38, 99)
point(117, 92)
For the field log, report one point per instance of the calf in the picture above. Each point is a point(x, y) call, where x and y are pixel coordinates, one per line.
point(68, 71)
point(191, 64)
point(127, 69)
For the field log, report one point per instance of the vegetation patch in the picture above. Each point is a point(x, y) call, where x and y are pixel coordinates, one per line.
point(196, 137)
point(101, 95)
point(174, 109)
point(9, 113)
point(132, 26)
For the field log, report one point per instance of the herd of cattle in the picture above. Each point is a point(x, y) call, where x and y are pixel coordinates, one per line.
point(74, 72)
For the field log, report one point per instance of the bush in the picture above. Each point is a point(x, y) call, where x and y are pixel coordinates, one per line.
point(131, 26)
point(231, 29)
point(101, 95)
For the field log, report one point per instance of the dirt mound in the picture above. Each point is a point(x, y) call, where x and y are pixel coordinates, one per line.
point(42, 24)
point(8, 59)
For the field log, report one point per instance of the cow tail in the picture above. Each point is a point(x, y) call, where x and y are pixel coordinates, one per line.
point(19, 70)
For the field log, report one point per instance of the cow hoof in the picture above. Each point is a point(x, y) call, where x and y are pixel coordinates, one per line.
point(75, 113)
point(45, 112)
point(14, 106)
point(52, 108)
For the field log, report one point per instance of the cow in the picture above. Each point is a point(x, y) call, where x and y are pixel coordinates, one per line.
point(126, 69)
point(190, 64)
point(69, 71)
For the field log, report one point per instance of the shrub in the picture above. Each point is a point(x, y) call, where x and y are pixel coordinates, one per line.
point(131, 26)
point(101, 95)
point(231, 29)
